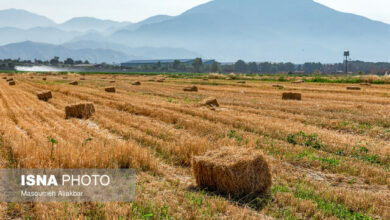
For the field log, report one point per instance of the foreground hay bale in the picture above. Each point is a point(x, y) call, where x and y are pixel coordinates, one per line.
point(74, 83)
point(110, 89)
point(292, 96)
point(353, 88)
point(82, 110)
point(138, 83)
point(233, 170)
point(11, 83)
point(45, 95)
point(210, 102)
point(191, 89)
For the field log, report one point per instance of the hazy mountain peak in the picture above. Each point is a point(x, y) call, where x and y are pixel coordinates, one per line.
point(23, 19)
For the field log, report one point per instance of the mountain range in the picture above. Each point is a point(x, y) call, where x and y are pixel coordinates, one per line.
point(226, 30)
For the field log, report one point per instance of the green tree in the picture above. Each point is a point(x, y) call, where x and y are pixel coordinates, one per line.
point(55, 61)
point(253, 68)
point(240, 66)
point(176, 64)
point(69, 61)
point(214, 67)
point(197, 64)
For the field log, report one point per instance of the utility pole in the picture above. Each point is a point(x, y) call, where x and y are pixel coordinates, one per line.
point(346, 55)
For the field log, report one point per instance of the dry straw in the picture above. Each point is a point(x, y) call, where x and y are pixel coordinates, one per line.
point(233, 170)
point(45, 95)
point(191, 89)
point(110, 89)
point(292, 96)
point(82, 110)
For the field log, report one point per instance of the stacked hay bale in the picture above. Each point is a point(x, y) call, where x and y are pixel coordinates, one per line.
point(82, 110)
point(138, 83)
point(74, 83)
point(191, 89)
point(292, 96)
point(110, 89)
point(353, 88)
point(232, 170)
point(45, 95)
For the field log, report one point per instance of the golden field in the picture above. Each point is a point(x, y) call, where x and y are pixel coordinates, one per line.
point(329, 153)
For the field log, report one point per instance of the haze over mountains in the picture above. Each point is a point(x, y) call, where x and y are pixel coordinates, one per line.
point(226, 30)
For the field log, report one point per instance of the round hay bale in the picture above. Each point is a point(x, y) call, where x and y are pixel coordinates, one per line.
point(365, 84)
point(138, 83)
point(291, 96)
point(10, 79)
point(4, 77)
point(45, 95)
point(82, 78)
point(241, 82)
point(210, 102)
point(82, 110)
point(112, 81)
point(11, 83)
point(74, 83)
point(353, 88)
point(110, 89)
point(233, 170)
point(160, 80)
point(191, 89)
point(44, 79)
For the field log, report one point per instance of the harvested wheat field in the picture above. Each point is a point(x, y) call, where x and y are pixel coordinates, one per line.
point(327, 156)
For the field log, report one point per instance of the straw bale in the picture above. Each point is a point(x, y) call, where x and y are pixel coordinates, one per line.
point(45, 95)
point(233, 170)
point(292, 96)
point(82, 110)
point(191, 89)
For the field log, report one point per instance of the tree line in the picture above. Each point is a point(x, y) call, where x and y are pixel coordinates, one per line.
point(198, 66)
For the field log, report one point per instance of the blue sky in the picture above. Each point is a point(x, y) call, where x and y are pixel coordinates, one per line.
point(136, 10)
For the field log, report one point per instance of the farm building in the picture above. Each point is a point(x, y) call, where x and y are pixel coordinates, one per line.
point(167, 61)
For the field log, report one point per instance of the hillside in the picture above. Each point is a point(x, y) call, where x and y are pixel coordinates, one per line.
point(275, 30)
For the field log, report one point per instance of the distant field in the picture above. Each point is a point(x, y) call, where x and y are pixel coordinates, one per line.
point(329, 153)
